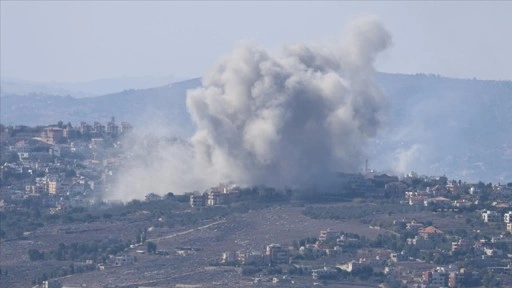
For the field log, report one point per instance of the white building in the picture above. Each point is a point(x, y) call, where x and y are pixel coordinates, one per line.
point(490, 216)
point(507, 217)
point(228, 257)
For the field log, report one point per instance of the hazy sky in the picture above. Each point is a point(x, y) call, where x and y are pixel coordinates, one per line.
point(86, 40)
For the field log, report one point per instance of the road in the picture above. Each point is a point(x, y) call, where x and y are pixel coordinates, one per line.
point(186, 232)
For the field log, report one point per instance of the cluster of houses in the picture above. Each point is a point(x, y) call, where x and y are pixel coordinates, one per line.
point(467, 195)
point(445, 277)
point(219, 195)
point(59, 164)
point(331, 242)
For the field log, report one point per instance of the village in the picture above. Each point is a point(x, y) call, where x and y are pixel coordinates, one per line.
point(371, 229)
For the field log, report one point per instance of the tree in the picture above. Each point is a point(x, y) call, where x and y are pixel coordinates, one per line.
point(35, 255)
point(151, 247)
point(364, 272)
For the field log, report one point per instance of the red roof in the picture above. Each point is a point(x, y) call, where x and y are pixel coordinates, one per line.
point(430, 230)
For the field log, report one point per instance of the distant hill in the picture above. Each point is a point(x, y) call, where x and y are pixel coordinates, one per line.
point(437, 126)
point(168, 103)
point(442, 126)
point(11, 86)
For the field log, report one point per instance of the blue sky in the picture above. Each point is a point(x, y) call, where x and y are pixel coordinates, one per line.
point(87, 40)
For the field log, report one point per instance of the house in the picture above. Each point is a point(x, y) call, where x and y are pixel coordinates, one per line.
point(328, 235)
point(462, 203)
point(228, 257)
point(456, 277)
point(349, 266)
point(461, 245)
point(509, 227)
point(414, 226)
point(489, 251)
point(198, 200)
point(123, 260)
point(397, 257)
point(310, 249)
point(215, 197)
point(276, 253)
point(249, 257)
point(507, 217)
point(52, 135)
point(417, 200)
point(420, 242)
point(342, 240)
point(490, 216)
point(438, 279)
point(324, 273)
point(429, 231)
point(440, 201)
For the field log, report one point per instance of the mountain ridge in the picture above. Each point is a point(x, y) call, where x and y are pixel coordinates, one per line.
point(461, 128)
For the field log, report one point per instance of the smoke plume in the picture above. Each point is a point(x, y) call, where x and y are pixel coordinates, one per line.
point(284, 119)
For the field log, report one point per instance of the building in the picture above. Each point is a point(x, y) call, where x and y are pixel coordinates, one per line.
point(429, 231)
point(52, 135)
point(276, 253)
point(228, 257)
point(85, 129)
point(436, 278)
point(324, 273)
point(490, 216)
point(417, 200)
point(198, 200)
point(461, 245)
point(69, 132)
point(53, 186)
point(249, 257)
point(414, 226)
point(420, 242)
point(112, 128)
point(456, 277)
point(507, 217)
point(509, 227)
point(349, 266)
point(51, 284)
point(343, 239)
point(123, 260)
point(215, 197)
point(328, 235)
point(97, 142)
point(397, 257)
point(439, 201)
point(99, 128)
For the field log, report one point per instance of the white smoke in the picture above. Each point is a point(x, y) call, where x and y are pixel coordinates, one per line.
point(278, 120)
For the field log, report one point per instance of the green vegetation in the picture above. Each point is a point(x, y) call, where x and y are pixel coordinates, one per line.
point(98, 250)
point(151, 247)
point(357, 211)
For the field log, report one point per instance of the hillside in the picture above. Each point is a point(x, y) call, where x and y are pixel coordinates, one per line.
point(167, 103)
point(98, 87)
point(460, 128)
